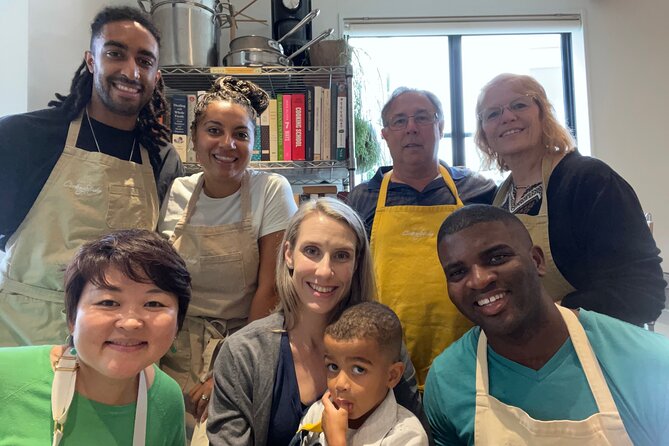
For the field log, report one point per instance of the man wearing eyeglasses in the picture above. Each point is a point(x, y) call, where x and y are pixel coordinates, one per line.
point(403, 206)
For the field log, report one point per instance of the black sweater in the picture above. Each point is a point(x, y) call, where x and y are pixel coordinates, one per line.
point(601, 243)
point(30, 145)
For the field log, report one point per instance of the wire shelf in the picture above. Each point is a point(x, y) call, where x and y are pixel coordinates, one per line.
point(274, 80)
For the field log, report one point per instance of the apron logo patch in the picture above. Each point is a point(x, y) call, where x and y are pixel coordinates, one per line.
point(418, 234)
point(83, 189)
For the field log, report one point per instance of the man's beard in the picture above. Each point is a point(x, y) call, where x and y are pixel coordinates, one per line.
point(103, 89)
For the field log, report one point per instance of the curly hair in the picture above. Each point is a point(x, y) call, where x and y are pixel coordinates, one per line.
point(152, 133)
point(555, 137)
point(372, 321)
point(237, 91)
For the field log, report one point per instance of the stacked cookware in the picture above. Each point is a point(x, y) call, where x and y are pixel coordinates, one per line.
point(192, 34)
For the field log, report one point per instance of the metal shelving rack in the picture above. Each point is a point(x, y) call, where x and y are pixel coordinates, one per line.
point(279, 80)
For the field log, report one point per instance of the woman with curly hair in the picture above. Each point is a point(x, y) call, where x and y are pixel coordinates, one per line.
point(600, 254)
point(227, 222)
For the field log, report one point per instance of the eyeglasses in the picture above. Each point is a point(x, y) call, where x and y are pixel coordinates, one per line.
point(400, 122)
point(520, 105)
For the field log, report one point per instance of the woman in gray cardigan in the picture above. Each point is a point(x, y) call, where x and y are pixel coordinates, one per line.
point(269, 372)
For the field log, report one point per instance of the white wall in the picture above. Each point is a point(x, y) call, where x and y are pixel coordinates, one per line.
point(59, 33)
point(626, 60)
point(14, 54)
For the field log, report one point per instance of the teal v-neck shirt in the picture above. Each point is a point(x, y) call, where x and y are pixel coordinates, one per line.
point(635, 364)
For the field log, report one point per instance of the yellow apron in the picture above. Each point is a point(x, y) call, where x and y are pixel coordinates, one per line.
point(537, 225)
point(87, 195)
point(223, 262)
point(409, 276)
point(496, 423)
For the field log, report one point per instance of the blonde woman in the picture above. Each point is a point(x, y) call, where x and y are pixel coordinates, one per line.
point(268, 373)
point(587, 219)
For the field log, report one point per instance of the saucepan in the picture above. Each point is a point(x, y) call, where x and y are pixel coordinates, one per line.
point(258, 57)
point(265, 44)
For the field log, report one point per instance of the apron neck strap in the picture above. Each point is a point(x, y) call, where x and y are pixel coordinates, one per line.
point(383, 191)
point(244, 193)
point(73, 131)
point(591, 369)
point(62, 393)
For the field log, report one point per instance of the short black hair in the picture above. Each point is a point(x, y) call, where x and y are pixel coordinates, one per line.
point(474, 214)
point(153, 134)
point(140, 255)
point(112, 14)
point(369, 320)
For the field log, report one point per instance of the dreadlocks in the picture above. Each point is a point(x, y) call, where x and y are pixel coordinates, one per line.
point(152, 133)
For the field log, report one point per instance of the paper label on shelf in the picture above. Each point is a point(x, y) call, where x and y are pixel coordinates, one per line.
point(235, 70)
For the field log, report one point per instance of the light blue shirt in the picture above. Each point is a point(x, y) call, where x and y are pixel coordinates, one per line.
point(635, 364)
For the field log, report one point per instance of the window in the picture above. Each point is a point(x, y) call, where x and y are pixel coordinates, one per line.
point(456, 63)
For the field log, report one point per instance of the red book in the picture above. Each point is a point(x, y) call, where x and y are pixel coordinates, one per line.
point(287, 127)
point(298, 151)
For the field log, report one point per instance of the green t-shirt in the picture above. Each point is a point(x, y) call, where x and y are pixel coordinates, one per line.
point(25, 408)
point(635, 364)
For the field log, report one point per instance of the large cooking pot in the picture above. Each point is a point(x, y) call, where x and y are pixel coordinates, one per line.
point(258, 57)
point(263, 43)
point(188, 31)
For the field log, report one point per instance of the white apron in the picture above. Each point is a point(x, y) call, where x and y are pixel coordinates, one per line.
point(87, 195)
point(499, 424)
point(223, 262)
point(537, 225)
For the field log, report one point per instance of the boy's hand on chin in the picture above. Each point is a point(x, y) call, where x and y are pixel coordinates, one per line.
point(334, 422)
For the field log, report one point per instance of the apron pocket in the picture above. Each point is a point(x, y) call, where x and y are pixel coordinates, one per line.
point(126, 208)
point(224, 272)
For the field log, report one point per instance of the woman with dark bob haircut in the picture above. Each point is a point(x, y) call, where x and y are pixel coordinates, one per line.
point(126, 296)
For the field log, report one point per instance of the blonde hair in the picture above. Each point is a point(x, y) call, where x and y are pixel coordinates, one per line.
point(362, 288)
point(555, 137)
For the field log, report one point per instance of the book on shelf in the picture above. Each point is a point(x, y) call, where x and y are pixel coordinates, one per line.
point(340, 148)
point(326, 118)
point(264, 135)
point(279, 126)
point(190, 151)
point(298, 127)
point(309, 94)
point(334, 91)
point(317, 122)
point(255, 154)
point(287, 127)
point(179, 122)
point(273, 131)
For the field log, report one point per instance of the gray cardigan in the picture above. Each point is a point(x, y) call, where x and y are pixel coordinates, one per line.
point(244, 372)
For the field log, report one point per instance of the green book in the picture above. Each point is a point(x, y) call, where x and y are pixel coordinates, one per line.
point(279, 124)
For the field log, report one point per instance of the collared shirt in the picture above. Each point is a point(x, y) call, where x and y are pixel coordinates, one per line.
point(389, 424)
point(472, 188)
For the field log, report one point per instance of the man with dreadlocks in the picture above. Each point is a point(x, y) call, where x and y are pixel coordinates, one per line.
point(97, 160)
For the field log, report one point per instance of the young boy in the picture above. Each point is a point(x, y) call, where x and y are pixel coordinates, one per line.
point(362, 357)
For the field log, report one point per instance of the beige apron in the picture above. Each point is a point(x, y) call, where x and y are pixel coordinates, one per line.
point(409, 276)
point(499, 424)
point(87, 194)
point(537, 225)
point(223, 261)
